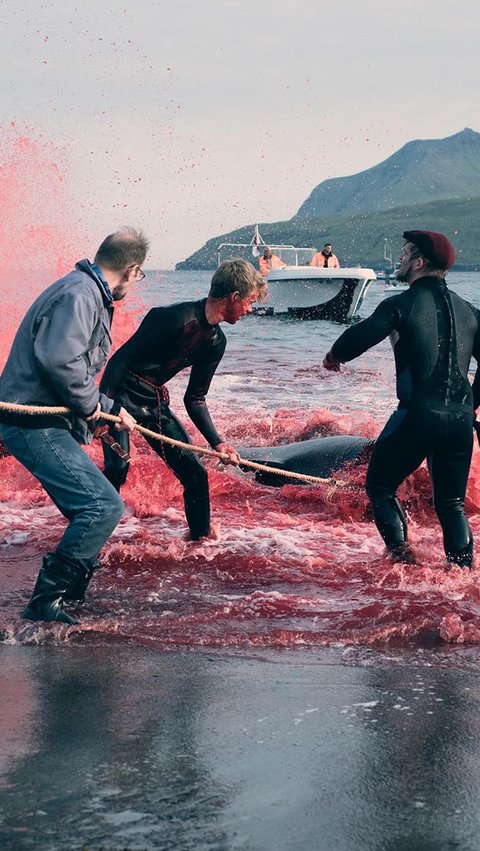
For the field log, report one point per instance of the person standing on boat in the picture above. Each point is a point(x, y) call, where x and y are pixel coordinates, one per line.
point(169, 340)
point(59, 348)
point(325, 258)
point(269, 261)
point(434, 334)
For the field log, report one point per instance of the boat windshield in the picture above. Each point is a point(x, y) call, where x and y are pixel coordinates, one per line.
point(288, 254)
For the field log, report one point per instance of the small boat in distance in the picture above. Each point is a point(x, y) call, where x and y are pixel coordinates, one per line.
point(302, 291)
point(390, 269)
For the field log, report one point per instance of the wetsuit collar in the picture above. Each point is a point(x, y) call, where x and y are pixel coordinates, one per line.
point(202, 315)
point(430, 281)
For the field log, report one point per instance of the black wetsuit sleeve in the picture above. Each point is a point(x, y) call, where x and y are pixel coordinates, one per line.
point(152, 328)
point(357, 339)
point(201, 376)
point(476, 355)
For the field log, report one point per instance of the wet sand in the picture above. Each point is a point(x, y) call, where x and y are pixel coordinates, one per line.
point(115, 747)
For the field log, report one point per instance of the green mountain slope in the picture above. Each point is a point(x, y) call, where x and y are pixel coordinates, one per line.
point(360, 239)
point(421, 171)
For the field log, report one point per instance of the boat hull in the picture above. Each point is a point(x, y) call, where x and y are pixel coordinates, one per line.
point(306, 292)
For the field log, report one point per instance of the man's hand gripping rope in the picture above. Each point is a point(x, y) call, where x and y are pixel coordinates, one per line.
point(125, 422)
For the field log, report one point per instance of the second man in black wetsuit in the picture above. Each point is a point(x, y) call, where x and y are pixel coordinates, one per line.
point(169, 340)
point(434, 334)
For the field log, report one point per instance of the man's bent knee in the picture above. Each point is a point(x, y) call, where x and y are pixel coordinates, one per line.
point(111, 508)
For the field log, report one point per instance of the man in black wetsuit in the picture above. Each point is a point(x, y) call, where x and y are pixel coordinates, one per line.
point(434, 334)
point(169, 340)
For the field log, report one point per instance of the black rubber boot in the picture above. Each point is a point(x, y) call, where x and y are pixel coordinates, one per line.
point(76, 593)
point(58, 578)
point(463, 558)
point(403, 553)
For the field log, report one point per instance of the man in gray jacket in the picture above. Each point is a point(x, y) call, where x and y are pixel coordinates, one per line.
point(60, 346)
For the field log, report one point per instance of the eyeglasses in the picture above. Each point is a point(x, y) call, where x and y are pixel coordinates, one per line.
point(140, 274)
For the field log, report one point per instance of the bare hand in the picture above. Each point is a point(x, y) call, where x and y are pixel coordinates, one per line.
point(96, 413)
point(226, 449)
point(127, 422)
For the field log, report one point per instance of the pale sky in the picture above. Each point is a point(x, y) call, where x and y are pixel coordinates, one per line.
point(192, 118)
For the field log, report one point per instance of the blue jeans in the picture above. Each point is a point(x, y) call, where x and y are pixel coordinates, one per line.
point(74, 483)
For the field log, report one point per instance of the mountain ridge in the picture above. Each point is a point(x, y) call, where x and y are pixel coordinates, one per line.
point(432, 184)
point(421, 170)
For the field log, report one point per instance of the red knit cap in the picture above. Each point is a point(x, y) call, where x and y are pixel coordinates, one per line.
point(435, 247)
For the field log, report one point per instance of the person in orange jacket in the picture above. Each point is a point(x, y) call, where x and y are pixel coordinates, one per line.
point(269, 261)
point(325, 258)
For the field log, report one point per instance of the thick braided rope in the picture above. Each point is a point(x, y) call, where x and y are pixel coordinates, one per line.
point(333, 483)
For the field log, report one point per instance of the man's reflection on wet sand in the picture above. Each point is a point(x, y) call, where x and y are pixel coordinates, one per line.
point(116, 756)
point(18, 708)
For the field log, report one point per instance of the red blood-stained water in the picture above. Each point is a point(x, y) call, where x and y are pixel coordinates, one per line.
point(289, 567)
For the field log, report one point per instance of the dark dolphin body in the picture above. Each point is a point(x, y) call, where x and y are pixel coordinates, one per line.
point(321, 457)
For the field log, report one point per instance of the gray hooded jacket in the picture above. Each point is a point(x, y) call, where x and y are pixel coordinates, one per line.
point(61, 344)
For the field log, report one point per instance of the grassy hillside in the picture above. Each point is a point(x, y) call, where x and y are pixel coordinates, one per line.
point(360, 239)
point(433, 169)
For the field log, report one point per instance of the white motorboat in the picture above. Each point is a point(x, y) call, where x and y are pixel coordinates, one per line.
point(303, 291)
point(310, 292)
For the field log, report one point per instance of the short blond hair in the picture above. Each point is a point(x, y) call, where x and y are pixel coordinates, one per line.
point(236, 276)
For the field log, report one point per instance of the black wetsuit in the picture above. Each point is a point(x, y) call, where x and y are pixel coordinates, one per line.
point(434, 334)
point(168, 340)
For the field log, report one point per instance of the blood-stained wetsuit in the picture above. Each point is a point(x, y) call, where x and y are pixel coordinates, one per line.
point(168, 340)
point(434, 334)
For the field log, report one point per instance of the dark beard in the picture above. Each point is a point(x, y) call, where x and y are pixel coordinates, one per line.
point(402, 277)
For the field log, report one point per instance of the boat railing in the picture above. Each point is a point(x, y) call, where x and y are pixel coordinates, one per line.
point(289, 254)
